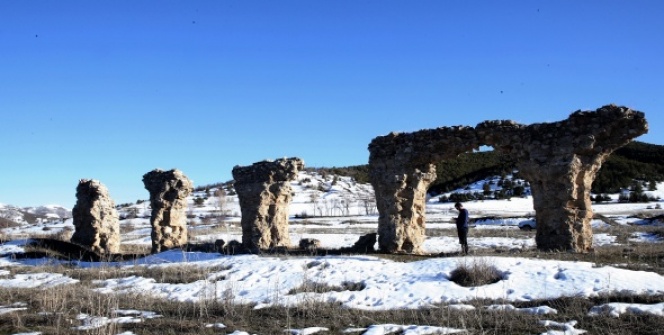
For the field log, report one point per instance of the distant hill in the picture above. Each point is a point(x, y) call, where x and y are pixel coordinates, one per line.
point(12, 215)
point(635, 161)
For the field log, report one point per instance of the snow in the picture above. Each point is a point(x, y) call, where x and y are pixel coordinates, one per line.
point(567, 328)
point(216, 325)
point(36, 280)
point(617, 309)
point(642, 237)
point(269, 281)
point(17, 306)
point(533, 310)
point(386, 284)
point(89, 322)
point(410, 330)
point(306, 331)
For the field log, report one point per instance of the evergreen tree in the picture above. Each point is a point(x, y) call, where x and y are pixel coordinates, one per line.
point(652, 185)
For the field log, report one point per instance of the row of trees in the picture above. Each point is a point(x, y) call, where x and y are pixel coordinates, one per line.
point(470, 196)
point(504, 188)
point(340, 206)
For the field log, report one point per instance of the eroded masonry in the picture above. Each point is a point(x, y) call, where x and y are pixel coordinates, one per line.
point(264, 192)
point(168, 199)
point(95, 218)
point(560, 160)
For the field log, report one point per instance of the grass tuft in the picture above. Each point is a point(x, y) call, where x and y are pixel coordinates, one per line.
point(476, 272)
point(313, 287)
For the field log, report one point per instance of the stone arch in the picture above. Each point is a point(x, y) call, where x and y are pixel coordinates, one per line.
point(559, 159)
point(401, 169)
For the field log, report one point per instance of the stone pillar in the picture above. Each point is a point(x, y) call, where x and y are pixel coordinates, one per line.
point(168, 197)
point(95, 218)
point(561, 161)
point(401, 169)
point(264, 191)
point(401, 201)
point(561, 198)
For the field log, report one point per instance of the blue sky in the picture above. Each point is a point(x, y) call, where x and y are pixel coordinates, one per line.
point(113, 89)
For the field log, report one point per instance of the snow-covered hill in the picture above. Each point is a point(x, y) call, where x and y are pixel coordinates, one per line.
point(313, 195)
point(34, 215)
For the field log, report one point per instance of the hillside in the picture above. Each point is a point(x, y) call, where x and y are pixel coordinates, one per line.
point(635, 161)
point(314, 194)
point(12, 215)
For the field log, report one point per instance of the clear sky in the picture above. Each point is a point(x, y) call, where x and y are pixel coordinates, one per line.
point(110, 90)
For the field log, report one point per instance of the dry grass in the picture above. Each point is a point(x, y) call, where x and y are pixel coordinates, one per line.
point(475, 272)
point(135, 249)
point(63, 304)
point(310, 286)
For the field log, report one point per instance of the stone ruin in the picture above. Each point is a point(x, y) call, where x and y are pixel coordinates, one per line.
point(560, 160)
point(168, 199)
point(95, 218)
point(264, 192)
point(401, 168)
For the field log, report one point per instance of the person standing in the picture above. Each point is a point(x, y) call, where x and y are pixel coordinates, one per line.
point(462, 227)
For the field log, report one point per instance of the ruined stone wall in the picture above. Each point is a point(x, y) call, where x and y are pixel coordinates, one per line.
point(95, 218)
point(401, 170)
point(264, 192)
point(560, 160)
point(168, 199)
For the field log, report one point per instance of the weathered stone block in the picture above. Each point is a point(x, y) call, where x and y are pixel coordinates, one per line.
point(168, 198)
point(264, 191)
point(95, 218)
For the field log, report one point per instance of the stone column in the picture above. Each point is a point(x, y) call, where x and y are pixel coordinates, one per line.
point(561, 198)
point(168, 197)
point(401, 201)
point(401, 169)
point(264, 192)
point(95, 218)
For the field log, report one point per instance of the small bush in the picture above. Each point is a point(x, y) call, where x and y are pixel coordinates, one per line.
point(475, 273)
point(198, 201)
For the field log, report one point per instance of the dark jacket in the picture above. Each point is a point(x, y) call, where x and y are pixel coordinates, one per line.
point(462, 219)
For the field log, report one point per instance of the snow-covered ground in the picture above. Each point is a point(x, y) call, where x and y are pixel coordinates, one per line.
point(380, 284)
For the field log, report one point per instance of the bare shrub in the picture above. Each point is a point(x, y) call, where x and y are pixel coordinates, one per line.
point(476, 272)
point(135, 249)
